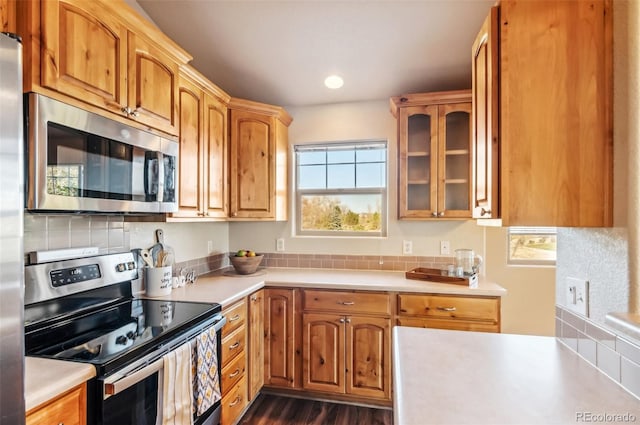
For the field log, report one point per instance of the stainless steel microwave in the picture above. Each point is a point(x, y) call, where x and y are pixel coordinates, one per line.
point(79, 161)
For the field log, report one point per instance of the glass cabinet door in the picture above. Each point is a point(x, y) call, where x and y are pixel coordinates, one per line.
point(418, 150)
point(454, 197)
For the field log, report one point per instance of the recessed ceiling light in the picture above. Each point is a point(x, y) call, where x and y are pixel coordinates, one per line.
point(333, 82)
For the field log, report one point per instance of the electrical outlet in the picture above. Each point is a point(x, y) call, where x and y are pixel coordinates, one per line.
point(280, 245)
point(209, 247)
point(444, 248)
point(578, 295)
point(407, 247)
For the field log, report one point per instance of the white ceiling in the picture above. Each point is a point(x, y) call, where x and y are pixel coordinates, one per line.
point(280, 52)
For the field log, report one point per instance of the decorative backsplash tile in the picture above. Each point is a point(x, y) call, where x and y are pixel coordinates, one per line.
point(615, 355)
point(45, 232)
point(322, 261)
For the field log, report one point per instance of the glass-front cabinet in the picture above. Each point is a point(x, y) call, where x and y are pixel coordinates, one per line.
point(434, 161)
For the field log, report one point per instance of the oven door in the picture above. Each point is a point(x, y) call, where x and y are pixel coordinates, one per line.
point(132, 395)
point(81, 161)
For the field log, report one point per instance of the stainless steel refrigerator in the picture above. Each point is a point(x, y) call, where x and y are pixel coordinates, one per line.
point(11, 232)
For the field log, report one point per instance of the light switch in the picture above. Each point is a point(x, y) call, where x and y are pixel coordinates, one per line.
point(577, 295)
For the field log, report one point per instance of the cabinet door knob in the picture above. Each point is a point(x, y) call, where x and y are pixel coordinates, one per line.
point(341, 320)
point(134, 113)
point(125, 110)
point(348, 320)
point(441, 214)
point(485, 212)
point(435, 213)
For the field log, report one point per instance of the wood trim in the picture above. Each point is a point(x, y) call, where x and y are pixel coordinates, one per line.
point(261, 108)
point(431, 98)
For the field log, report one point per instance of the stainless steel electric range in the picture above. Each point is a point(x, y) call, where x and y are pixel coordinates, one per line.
point(83, 310)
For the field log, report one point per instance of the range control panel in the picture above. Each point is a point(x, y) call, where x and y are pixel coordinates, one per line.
point(74, 275)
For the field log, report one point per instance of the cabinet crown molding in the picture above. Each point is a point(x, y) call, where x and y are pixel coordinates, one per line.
point(261, 108)
point(431, 98)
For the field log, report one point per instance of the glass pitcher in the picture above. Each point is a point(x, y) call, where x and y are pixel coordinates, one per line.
point(468, 260)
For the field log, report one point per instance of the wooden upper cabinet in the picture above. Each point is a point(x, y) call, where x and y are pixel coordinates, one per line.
point(84, 53)
point(152, 84)
point(191, 149)
point(215, 166)
point(203, 148)
point(555, 112)
point(103, 56)
point(434, 154)
point(258, 161)
point(8, 16)
point(485, 130)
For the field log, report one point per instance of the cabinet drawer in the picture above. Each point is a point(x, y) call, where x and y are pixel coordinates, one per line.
point(232, 373)
point(347, 302)
point(236, 316)
point(68, 409)
point(456, 325)
point(234, 403)
point(450, 307)
point(232, 345)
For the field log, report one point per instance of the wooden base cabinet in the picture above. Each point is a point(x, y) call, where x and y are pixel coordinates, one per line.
point(347, 353)
point(281, 329)
point(545, 118)
point(456, 312)
point(256, 343)
point(234, 381)
point(68, 409)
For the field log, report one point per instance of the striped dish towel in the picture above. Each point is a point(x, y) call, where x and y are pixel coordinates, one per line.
point(206, 383)
point(177, 397)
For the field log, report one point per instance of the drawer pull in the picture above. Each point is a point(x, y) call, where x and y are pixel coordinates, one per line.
point(234, 346)
point(235, 373)
point(346, 302)
point(234, 318)
point(234, 402)
point(446, 308)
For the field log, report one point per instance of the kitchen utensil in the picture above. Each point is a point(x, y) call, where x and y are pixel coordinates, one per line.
point(155, 252)
point(169, 255)
point(468, 260)
point(146, 257)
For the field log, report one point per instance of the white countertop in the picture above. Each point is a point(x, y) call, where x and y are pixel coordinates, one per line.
point(45, 379)
point(225, 288)
point(453, 377)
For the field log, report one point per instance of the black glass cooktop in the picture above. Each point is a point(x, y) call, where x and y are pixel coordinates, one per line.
point(114, 334)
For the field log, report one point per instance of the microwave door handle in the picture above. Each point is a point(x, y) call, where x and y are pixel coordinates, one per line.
point(113, 388)
point(160, 176)
point(151, 175)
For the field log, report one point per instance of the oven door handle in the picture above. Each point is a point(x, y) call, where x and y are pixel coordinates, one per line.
point(113, 388)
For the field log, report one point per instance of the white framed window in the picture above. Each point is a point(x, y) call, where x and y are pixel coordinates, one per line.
point(532, 245)
point(341, 189)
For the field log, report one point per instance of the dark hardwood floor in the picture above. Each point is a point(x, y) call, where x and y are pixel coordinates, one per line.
point(270, 409)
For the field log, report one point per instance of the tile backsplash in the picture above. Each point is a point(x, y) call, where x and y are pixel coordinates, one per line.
point(45, 232)
point(613, 354)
